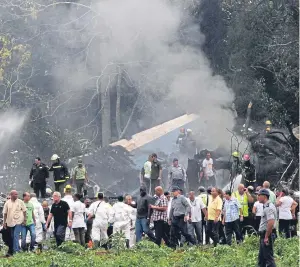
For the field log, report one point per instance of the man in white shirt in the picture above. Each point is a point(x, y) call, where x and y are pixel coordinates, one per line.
point(99, 210)
point(208, 171)
point(78, 225)
point(287, 207)
point(195, 220)
point(146, 172)
point(130, 203)
point(69, 199)
point(120, 216)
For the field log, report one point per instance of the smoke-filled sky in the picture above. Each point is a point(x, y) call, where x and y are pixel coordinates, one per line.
point(157, 46)
point(154, 43)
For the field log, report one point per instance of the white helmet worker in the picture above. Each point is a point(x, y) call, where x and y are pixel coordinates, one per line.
point(54, 157)
point(189, 130)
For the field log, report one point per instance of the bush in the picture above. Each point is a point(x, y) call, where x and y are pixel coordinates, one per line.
point(147, 254)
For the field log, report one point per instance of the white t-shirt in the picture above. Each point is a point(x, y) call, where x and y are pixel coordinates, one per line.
point(208, 165)
point(285, 208)
point(259, 208)
point(69, 199)
point(147, 169)
point(196, 206)
point(79, 209)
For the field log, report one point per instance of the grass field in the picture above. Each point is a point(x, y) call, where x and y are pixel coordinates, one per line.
point(147, 254)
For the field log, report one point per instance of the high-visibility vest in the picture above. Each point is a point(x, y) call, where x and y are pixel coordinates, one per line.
point(80, 173)
point(243, 203)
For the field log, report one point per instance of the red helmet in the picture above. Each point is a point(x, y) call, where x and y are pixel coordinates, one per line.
point(246, 157)
point(182, 130)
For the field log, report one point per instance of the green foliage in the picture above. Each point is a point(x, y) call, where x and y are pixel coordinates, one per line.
point(255, 46)
point(147, 254)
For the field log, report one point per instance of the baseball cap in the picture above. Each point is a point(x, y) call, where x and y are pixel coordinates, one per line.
point(264, 192)
point(175, 188)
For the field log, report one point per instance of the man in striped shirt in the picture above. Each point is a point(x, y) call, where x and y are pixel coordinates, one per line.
point(232, 214)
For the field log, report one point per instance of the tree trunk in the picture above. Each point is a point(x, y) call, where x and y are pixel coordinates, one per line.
point(130, 117)
point(105, 114)
point(118, 103)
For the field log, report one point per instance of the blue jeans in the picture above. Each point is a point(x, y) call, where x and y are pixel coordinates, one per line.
point(31, 229)
point(16, 237)
point(141, 225)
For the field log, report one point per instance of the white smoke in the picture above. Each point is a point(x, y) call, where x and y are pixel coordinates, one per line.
point(157, 46)
point(11, 125)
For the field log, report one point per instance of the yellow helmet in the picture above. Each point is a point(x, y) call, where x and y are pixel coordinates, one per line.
point(268, 122)
point(68, 188)
point(236, 154)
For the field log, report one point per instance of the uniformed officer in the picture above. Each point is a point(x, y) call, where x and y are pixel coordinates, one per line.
point(178, 217)
point(38, 176)
point(266, 227)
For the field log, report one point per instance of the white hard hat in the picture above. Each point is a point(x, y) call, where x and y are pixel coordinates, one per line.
point(189, 130)
point(54, 157)
point(48, 190)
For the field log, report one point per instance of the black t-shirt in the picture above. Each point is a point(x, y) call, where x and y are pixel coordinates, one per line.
point(155, 168)
point(60, 213)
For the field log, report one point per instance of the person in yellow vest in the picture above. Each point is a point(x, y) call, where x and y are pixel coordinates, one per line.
point(244, 198)
point(80, 177)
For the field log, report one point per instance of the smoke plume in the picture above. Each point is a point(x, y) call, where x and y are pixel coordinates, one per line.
point(157, 46)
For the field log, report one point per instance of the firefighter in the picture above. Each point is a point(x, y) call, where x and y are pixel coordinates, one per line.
point(38, 176)
point(181, 137)
point(248, 172)
point(236, 164)
point(268, 126)
point(60, 173)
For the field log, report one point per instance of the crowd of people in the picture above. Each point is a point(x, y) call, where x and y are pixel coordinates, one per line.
point(165, 215)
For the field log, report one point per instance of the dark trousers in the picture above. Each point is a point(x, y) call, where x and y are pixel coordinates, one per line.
point(60, 234)
point(88, 232)
point(294, 228)
point(80, 185)
point(222, 236)
point(178, 228)
point(266, 254)
point(150, 185)
point(213, 231)
point(230, 228)
point(257, 223)
point(10, 240)
point(284, 227)
point(161, 232)
point(245, 226)
point(59, 187)
point(79, 235)
point(39, 188)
